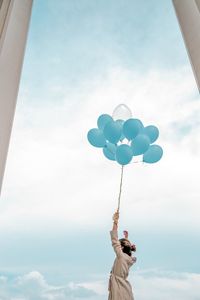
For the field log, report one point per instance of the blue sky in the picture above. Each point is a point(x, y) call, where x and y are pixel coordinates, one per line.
point(82, 59)
point(76, 40)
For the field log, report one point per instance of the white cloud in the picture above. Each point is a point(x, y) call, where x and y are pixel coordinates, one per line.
point(54, 175)
point(147, 285)
point(183, 286)
point(156, 285)
point(33, 286)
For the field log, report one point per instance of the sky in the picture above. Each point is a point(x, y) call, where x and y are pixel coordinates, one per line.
point(82, 59)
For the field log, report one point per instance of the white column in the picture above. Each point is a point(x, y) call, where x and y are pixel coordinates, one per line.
point(14, 23)
point(188, 14)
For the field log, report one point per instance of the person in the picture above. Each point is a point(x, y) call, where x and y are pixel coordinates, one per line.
point(119, 287)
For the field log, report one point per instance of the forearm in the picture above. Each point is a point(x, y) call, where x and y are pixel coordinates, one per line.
point(115, 241)
point(115, 226)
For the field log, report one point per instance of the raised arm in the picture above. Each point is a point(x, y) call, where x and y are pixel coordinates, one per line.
point(115, 221)
point(114, 235)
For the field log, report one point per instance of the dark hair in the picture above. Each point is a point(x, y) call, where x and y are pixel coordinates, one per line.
point(127, 249)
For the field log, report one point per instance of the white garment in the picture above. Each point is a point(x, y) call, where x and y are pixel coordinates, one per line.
point(119, 286)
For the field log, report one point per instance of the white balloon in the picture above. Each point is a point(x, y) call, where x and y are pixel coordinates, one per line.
point(122, 112)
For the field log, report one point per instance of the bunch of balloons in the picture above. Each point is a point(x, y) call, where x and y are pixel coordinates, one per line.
point(121, 137)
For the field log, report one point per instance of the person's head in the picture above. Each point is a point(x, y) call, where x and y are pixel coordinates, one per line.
point(127, 247)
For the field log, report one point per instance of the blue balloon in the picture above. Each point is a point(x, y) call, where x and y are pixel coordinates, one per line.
point(121, 123)
point(140, 144)
point(109, 151)
point(103, 120)
point(152, 132)
point(96, 138)
point(153, 154)
point(112, 132)
point(123, 154)
point(131, 128)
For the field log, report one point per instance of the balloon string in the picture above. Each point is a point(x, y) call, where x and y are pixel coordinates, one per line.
point(120, 189)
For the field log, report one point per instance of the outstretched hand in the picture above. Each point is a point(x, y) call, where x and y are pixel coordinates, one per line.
point(116, 217)
point(125, 232)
